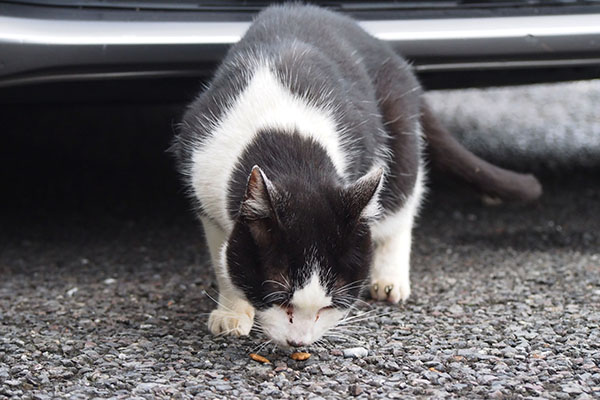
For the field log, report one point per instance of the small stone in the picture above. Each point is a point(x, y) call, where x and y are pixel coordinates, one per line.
point(145, 387)
point(486, 379)
point(327, 370)
point(456, 310)
point(355, 390)
point(280, 367)
point(356, 352)
point(572, 388)
point(223, 387)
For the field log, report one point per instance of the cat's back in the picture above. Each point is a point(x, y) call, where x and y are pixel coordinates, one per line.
point(304, 22)
point(295, 70)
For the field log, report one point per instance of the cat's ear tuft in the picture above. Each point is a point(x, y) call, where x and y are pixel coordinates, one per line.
point(363, 195)
point(258, 200)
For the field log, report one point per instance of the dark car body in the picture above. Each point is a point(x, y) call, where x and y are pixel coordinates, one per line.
point(76, 46)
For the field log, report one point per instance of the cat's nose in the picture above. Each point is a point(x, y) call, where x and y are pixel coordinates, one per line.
point(294, 344)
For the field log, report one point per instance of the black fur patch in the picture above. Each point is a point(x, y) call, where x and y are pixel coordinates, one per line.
point(315, 220)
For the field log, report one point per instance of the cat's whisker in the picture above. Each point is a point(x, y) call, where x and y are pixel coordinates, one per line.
point(351, 328)
point(284, 285)
point(341, 333)
point(362, 317)
point(356, 319)
point(318, 344)
point(349, 286)
point(258, 329)
point(341, 336)
point(227, 332)
point(280, 294)
point(261, 346)
point(365, 313)
point(274, 348)
point(364, 303)
point(285, 280)
point(221, 305)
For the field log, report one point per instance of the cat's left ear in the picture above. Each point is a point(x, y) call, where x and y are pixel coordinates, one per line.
point(362, 196)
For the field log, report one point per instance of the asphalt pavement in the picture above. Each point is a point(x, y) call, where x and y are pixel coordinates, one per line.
point(105, 287)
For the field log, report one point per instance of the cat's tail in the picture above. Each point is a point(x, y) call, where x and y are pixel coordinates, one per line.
point(449, 155)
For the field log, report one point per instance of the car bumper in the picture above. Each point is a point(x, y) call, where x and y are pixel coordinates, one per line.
point(35, 50)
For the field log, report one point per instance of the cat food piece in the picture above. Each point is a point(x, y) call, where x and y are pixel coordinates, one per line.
point(259, 358)
point(300, 356)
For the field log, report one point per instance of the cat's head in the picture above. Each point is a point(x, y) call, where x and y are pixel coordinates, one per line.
point(300, 253)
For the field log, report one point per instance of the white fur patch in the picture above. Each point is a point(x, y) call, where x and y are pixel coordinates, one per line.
point(373, 209)
point(312, 296)
point(403, 219)
point(265, 103)
point(309, 320)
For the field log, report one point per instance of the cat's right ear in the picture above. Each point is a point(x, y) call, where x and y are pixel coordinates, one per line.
point(257, 210)
point(258, 200)
point(362, 197)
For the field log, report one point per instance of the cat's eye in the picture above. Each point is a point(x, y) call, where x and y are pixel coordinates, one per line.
point(290, 313)
point(321, 310)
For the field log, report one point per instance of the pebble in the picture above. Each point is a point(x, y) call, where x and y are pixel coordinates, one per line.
point(572, 388)
point(356, 352)
point(456, 310)
point(355, 390)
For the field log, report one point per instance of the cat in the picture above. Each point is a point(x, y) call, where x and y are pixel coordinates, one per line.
point(304, 158)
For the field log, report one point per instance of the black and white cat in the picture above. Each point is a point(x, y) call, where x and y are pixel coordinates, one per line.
point(305, 160)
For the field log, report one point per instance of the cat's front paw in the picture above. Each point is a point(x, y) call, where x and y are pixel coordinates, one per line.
point(390, 289)
point(226, 322)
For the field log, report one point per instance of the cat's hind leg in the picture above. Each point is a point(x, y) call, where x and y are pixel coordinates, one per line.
point(233, 315)
point(390, 271)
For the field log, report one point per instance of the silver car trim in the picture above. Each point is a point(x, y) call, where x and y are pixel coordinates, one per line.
point(68, 32)
point(484, 28)
point(98, 76)
point(40, 50)
point(499, 65)
point(75, 33)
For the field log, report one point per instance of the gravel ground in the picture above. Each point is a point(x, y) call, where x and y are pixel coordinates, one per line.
point(105, 286)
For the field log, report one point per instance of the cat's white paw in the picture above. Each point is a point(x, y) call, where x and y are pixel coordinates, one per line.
point(390, 289)
point(236, 323)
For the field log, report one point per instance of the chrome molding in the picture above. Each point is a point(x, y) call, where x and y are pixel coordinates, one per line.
point(107, 33)
point(498, 65)
point(484, 28)
point(67, 32)
point(32, 50)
